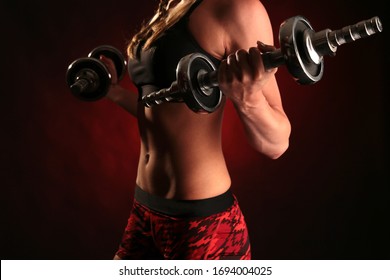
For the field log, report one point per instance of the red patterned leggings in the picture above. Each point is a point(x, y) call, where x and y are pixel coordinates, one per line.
point(152, 234)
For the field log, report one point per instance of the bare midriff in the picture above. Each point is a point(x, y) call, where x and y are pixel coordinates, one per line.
point(181, 153)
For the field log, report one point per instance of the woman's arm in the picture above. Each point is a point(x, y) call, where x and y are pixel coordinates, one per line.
point(123, 97)
point(242, 77)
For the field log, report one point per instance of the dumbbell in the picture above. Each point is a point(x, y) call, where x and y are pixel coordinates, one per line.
point(301, 49)
point(89, 79)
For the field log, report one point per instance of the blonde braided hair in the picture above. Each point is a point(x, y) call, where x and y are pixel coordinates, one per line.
point(165, 17)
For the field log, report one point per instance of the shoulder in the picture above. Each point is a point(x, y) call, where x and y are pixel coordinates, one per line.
point(239, 6)
point(244, 22)
point(241, 10)
point(223, 26)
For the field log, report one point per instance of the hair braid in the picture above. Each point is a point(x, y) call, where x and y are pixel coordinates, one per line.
point(165, 16)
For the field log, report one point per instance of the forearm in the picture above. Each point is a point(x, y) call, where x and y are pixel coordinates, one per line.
point(267, 128)
point(124, 98)
point(121, 96)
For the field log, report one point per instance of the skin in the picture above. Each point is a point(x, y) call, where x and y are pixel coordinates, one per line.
point(181, 154)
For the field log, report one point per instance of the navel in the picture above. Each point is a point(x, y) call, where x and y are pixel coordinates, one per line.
point(147, 157)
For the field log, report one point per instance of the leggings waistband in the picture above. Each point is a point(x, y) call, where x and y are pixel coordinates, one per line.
point(185, 208)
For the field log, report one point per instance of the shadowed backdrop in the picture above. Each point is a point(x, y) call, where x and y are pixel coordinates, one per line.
point(67, 168)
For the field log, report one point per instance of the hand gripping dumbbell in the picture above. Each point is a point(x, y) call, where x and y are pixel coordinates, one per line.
point(301, 50)
point(89, 79)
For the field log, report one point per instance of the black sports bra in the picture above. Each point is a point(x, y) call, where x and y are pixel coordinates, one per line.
point(155, 68)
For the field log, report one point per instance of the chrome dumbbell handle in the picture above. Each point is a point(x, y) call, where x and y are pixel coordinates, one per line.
point(163, 95)
point(352, 33)
point(206, 81)
point(325, 42)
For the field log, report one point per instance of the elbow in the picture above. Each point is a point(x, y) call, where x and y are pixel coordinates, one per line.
point(272, 150)
point(274, 143)
point(278, 151)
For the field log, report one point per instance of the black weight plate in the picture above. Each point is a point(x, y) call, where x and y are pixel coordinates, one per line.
point(104, 78)
point(187, 78)
point(294, 48)
point(114, 54)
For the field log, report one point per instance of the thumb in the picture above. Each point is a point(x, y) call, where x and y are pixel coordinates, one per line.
point(265, 48)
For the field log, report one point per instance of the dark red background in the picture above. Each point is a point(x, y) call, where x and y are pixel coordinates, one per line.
point(68, 167)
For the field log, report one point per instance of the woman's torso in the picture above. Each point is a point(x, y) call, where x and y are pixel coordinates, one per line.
point(181, 153)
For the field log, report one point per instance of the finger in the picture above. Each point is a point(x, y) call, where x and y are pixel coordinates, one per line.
point(256, 61)
point(233, 69)
point(111, 68)
point(257, 52)
point(232, 62)
point(242, 58)
point(265, 48)
point(106, 60)
point(224, 75)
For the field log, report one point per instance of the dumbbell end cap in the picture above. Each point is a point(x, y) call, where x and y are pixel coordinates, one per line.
point(76, 89)
point(378, 24)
